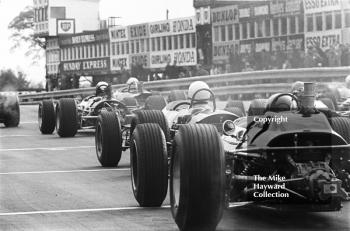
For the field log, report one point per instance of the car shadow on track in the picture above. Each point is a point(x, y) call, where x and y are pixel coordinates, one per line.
point(256, 218)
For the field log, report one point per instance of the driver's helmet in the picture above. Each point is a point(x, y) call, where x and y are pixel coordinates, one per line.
point(200, 96)
point(102, 89)
point(133, 84)
point(283, 103)
point(347, 81)
point(297, 88)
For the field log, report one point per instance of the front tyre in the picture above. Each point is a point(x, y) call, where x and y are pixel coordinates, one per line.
point(46, 117)
point(197, 178)
point(149, 165)
point(108, 139)
point(66, 118)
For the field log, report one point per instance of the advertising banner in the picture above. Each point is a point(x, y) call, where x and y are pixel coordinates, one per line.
point(161, 28)
point(323, 39)
point(244, 13)
point(119, 62)
point(315, 6)
point(118, 34)
point(224, 15)
point(262, 46)
point(261, 10)
point(296, 41)
point(183, 25)
point(283, 8)
point(138, 31)
point(65, 26)
point(90, 66)
point(184, 57)
point(138, 59)
point(161, 59)
point(223, 50)
point(91, 37)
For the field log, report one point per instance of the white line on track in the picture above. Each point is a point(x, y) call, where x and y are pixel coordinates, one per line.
point(79, 210)
point(47, 149)
point(64, 171)
point(18, 136)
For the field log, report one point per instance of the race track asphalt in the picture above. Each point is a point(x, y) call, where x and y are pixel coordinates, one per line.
point(52, 183)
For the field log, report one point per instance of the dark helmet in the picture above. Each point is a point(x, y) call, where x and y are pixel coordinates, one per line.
point(277, 103)
point(103, 89)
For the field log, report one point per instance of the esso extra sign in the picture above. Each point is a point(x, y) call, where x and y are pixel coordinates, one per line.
point(324, 39)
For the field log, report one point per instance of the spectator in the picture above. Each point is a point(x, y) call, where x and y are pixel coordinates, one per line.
point(200, 71)
point(265, 60)
point(214, 70)
point(345, 55)
point(124, 75)
point(174, 71)
point(280, 57)
point(295, 58)
point(332, 57)
point(308, 59)
point(286, 64)
point(236, 62)
point(167, 71)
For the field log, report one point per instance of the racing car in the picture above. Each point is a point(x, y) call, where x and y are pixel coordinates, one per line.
point(9, 109)
point(134, 95)
point(291, 165)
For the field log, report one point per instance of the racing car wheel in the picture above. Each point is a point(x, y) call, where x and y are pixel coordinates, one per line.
point(193, 99)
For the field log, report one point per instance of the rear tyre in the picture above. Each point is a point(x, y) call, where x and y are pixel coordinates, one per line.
point(235, 103)
point(328, 102)
point(13, 116)
point(46, 117)
point(341, 125)
point(155, 102)
point(176, 95)
point(197, 178)
point(151, 116)
point(235, 110)
point(66, 118)
point(257, 107)
point(108, 139)
point(149, 165)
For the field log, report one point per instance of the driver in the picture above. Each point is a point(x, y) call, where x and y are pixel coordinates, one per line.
point(201, 99)
point(103, 89)
point(133, 84)
point(282, 103)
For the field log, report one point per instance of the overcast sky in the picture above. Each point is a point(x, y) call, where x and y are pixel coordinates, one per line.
point(130, 11)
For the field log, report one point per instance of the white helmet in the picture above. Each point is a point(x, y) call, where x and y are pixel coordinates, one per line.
point(297, 86)
point(198, 85)
point(132, 83)
point(347, 81)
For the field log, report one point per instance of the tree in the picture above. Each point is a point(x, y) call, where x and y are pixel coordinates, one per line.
point(9, 81)
point(23, 34)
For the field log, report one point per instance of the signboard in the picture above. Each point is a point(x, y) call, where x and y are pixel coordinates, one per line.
point(90, 66)
point(223, 50)
point(285, 8)
point(118, 34)
point(138, 59)
point(161, 28)
point(183, 25)
point(244, 13)
point(199, 3)
point(279, 42)
point(224, 15)
point(91, 37)
point(203, 16)
point(245, 48)
point(138, 31)
point(261, 10)
point(323, 39)
point(184, 57)
point(65, 26)
point(161, 59)
point(295, 41)
point(315, 6)
point(119, 62)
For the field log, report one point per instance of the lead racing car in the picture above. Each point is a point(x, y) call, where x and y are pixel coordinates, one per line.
point(296, 164)
point(9, 109)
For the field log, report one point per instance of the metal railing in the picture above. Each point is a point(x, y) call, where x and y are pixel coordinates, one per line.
point(236, 85)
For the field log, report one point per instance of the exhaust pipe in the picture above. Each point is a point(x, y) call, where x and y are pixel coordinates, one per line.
point(307, 100)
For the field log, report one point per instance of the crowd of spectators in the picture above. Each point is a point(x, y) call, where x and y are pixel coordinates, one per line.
point(314, 56)
point(337, 55)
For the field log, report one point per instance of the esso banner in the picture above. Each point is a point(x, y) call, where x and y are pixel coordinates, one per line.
point(119, 62)
point(315, 6)
point(65, 26)
point(324, 39)
point(117, 34)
